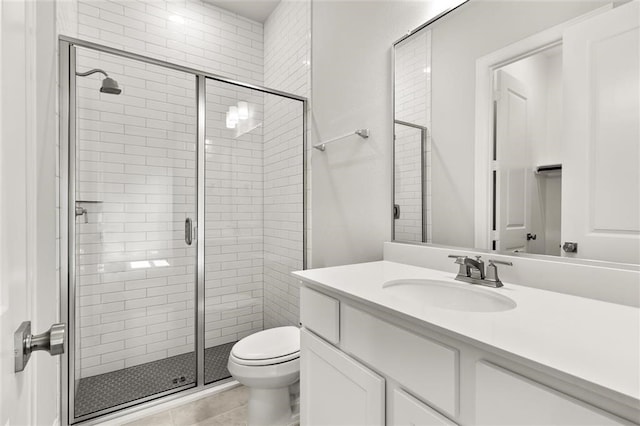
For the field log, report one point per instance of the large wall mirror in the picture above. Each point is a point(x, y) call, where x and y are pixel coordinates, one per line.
point(517, 129)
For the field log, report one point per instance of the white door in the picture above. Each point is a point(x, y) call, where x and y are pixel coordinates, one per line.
point(601, 150)
point(28, 289)
point(511, 165)
point(335, 389)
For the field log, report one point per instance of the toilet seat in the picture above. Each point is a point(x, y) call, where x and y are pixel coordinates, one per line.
point(267, 347)
point(264, 362)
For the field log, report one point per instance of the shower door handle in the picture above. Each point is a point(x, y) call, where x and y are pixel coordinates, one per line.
point(188, 231)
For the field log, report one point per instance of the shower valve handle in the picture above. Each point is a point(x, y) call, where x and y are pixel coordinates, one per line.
point(81, 211)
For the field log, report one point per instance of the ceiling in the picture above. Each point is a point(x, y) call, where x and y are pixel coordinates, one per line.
point(257, 10)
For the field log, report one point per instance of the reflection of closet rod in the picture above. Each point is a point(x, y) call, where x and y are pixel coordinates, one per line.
point(363, 133)
point(549, 168)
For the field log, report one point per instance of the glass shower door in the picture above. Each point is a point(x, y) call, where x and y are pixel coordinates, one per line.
point(254, 216)
point(135, 246)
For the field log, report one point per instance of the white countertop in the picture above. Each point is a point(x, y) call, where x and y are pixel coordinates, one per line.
point(595, 341)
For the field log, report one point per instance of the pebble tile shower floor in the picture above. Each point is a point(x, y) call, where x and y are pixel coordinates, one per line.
point(107, 390)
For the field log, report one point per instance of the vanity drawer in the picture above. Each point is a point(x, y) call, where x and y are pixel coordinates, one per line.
point(506, 398)
point(409, 411)
point(427, 368)
point(320, 314)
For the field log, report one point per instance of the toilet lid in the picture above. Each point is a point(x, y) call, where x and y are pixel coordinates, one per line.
point(268, 344)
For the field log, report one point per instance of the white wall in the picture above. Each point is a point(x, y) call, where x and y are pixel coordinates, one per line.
point(351, 89)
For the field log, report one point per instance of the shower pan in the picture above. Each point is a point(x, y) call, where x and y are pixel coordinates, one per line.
point(182, 205)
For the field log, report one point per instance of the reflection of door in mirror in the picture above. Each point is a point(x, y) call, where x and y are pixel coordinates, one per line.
point(528, 107)
point(602, 136)
point(572, 174)
point(582, 160)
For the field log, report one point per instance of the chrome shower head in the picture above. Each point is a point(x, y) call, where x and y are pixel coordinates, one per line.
point(109, 85)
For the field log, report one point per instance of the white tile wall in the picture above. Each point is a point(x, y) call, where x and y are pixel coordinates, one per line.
point(185, 32)
point(233, 217)
point(413, 105)
point(136, 154)
point(287, 68)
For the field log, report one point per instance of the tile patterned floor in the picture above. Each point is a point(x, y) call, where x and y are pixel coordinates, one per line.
point(107, 390)
point(228, 408)
point(225, 408)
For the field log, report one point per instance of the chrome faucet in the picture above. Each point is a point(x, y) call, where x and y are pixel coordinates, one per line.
point(473, 271)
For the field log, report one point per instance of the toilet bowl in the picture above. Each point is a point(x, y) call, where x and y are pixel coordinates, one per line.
point(268, 363)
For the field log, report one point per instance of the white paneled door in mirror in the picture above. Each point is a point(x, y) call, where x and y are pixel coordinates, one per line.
point(601, 188)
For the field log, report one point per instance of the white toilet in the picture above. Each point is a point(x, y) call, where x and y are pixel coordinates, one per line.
point(268, 363)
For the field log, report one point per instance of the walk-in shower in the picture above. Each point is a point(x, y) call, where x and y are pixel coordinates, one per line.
point(174, 223)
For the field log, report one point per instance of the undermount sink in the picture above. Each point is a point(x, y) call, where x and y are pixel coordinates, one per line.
point(449, 295)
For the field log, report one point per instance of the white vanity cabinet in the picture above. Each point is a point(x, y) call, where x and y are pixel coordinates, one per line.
point(408, 411)
point(346, 384)
point(362, 365)
point(507, 398)
point(335, 389)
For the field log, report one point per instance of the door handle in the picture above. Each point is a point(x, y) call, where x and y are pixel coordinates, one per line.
point(188, 231)
point(25, 343)
point(396, 211)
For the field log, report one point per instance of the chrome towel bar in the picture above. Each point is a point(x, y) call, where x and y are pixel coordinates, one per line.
point(363, 133)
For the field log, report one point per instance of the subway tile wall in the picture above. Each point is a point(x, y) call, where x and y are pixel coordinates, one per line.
point(184, 32)
point(413, 105)
point(136, 179)
point(137, 155)
point(234, 216)
point(287, 68)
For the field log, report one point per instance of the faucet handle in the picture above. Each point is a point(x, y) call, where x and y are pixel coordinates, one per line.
point(499, 262)
point(462, 269)
point(459, 259)
point(492, 271)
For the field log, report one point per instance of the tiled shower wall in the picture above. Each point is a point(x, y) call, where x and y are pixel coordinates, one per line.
point(184, 32)
point(413, 105)
point(287, 68)
point(233, 217)
point(138, 157)
point(144, 140)
point(136, 179)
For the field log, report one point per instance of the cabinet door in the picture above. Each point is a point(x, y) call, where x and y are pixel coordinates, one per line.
point(408, 411)
point(506, 398)
point(335, 389)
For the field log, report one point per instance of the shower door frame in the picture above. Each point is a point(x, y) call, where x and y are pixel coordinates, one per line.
point(67, 198)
